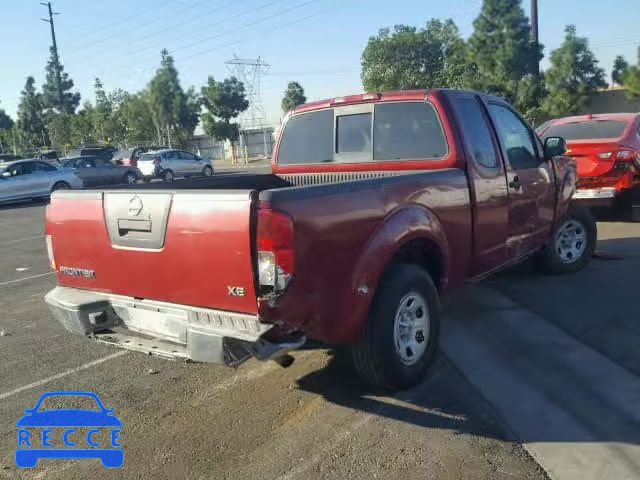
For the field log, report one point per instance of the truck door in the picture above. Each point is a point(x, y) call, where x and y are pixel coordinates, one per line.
point(487, 182)
point(530, 181)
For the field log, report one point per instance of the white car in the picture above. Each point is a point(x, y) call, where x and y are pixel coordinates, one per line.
point(169, 164)
point(33, 179)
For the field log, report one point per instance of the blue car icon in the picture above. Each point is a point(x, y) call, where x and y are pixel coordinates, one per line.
point(30, 450)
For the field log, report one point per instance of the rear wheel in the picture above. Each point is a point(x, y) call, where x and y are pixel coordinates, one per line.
point(572, 245)
point(400, 339)
point(130, 178)
point(207, 171)
point(60, 186)
point(168, 176)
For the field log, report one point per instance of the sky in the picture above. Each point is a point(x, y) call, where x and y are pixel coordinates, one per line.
point(315, 42)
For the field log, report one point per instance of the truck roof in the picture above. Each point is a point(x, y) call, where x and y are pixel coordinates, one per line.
point(376, 97)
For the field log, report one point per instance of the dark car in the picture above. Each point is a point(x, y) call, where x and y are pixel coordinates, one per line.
point(98, 171)
point(105, 153)
point(130, 156)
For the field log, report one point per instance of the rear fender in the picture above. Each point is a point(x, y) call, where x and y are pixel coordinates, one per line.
point(566, 180)
point(397, 230)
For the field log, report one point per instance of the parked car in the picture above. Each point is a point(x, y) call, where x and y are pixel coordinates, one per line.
point(103, 152)
point(97, 171)
point(606, 149)
point(378, 205)
point(32, 179)
point(130, 156)
point(48, 156)
point(170, 164)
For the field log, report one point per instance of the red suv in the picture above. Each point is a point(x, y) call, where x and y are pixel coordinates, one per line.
point(607, 151)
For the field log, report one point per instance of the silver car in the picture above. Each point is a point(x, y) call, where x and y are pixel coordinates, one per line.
point(97, 171)
point(31, 179)
point(169, 164)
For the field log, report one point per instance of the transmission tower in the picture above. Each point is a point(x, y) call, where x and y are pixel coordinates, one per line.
point(249, 71)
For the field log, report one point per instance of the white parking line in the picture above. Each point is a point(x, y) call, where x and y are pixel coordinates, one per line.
point(26, 278)
point(20, 240)
point(61, 375)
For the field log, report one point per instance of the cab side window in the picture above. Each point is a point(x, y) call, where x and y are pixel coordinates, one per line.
point(516, 138)
point(476, 132)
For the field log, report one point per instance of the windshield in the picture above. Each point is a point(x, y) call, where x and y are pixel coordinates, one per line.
point(594, 129)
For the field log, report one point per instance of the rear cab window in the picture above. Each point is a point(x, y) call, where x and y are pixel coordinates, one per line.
point(381, 132)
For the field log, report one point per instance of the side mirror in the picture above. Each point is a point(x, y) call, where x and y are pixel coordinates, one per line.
point(554, 147)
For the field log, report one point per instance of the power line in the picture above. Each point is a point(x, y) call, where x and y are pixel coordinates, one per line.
point(133, 59)
point(132, 56)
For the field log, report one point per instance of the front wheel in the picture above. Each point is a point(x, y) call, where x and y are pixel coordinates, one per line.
point(400, 339)
point(130, 178)
point(60, 186)
point(168, 176)
point(207, 171)
point(572, 245)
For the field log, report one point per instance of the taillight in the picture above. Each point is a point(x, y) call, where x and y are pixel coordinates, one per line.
point(625, 158)
point(133, 162)
point(276, 258)
point(157, 160)
point(52, 260)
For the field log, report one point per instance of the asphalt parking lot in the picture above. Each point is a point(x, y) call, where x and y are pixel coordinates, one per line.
point(312, 420)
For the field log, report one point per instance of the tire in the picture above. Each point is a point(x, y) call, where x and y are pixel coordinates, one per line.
point(60, 186)
point(377, 354)
point(573, 252)
point(168, 176)
point(207, 171)
point(130, 178)
point(635, 205)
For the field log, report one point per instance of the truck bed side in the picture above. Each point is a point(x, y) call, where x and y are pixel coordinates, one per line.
point(347, 233)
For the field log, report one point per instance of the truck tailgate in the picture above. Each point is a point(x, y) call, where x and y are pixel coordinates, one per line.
point(184, 247)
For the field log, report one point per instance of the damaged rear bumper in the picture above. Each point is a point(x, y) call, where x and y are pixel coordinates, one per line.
point(165, 329)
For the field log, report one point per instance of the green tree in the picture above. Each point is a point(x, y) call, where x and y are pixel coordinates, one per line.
point(174, 112)
point(406, 58)
point(501, 49)
point(631, 80)
point(134, 114)
point(293, 96)
point(620, 66)
point(6, 122)
point(572, 77)
point(31, 116)
point(61, 130)
point(223, 101)
point(102, 112)
point(56, 91)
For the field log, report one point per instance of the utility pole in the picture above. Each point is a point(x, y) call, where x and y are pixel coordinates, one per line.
point(54, 52)
point(535, 40)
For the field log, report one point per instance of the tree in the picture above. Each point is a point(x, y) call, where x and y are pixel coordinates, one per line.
point(6, 122)
point(405, 57)
point(573, 76)
point(56, 91)
point(620, 66)
point(293, 96)
point(223, 102)
point(135, 116)
point(174, 113)
point(31, 116)
point(501, 49)
point(631, 80)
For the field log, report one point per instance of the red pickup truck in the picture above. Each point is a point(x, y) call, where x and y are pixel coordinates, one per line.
point(377, 205)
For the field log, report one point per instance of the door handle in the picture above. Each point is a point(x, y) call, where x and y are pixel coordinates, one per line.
point(515, 183)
